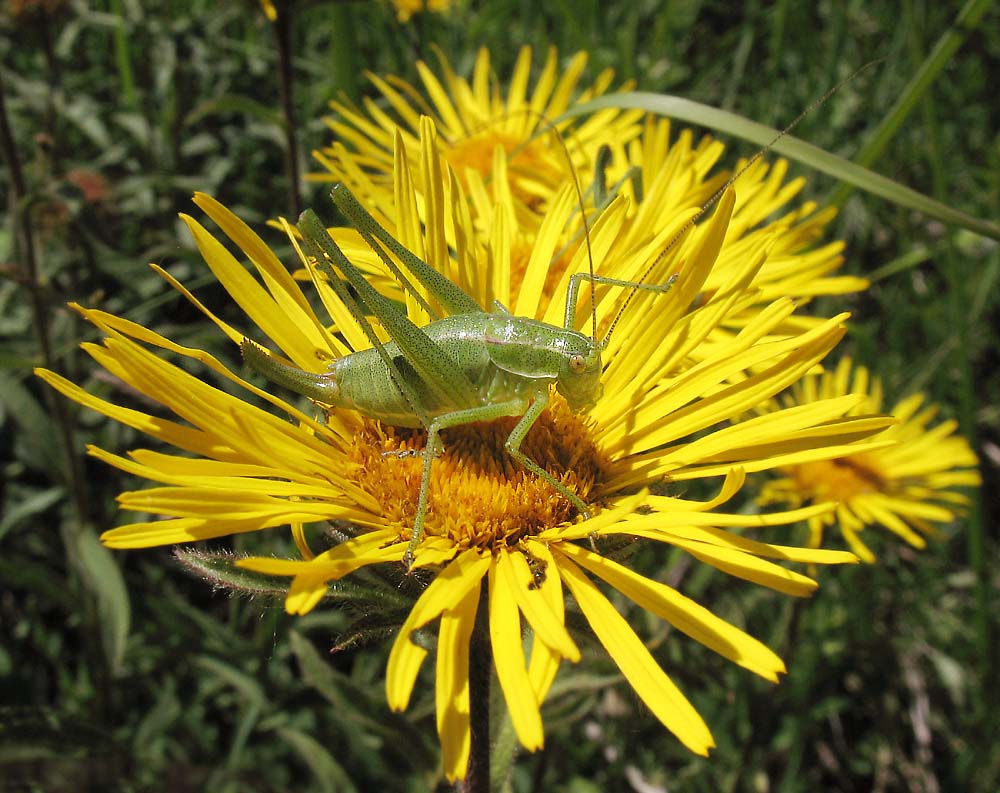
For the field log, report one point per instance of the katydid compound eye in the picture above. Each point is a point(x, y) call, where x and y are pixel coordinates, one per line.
point(577, 363)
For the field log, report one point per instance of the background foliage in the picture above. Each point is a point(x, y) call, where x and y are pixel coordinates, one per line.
point(119, 671)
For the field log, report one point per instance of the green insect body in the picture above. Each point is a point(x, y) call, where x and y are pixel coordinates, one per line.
point(469, 366)
point(507, 359)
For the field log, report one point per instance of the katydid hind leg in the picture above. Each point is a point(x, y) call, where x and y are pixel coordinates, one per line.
point(454, 299)
point(442, 375)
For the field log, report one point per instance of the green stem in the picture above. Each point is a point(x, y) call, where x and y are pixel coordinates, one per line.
point(344, 57)
point(123, 60)
point(886, 130)
point(504, 752)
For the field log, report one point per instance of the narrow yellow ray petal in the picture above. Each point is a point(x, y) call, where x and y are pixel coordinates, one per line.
point(508, 658)
point(683, 613)
point(185, 472)
point(750, 568)
point(282, 287)
point(255, 301)
point(445, 592)
point(175, 531)
point(118, 327)
point(513, 568)
point(451, 122)
point(600, 521)
point(452, 684)
point(650, 682)
point(544, 660)
point(659, 527)
point(189, 439)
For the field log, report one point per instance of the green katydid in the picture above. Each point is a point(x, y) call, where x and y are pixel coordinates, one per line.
point(469, 366)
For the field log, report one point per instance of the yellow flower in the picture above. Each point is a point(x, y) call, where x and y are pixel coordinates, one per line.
point(507, 169)
point(242, 468)
point(269, 9)
point(474, 121)
point(905, 486)
point(407, 8)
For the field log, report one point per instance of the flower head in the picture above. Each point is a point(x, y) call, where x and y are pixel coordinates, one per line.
point(660, 174)
point(407, 8)
point(474, 121)
point(905, 485)
point(662, 417)
point(513, 159)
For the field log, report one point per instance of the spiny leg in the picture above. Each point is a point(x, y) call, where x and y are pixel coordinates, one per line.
point(520, 432)
point(433, 448)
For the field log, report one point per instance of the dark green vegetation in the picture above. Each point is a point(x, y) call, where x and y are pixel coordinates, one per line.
point(122, 672)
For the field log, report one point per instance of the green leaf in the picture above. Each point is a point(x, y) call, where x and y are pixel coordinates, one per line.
point(250, 691)
point(40, 445)
point(329, 774)
point(159, 719)
point(103, 577)
point(732, 124)
point(334, 687)
point(360, 735)
point(236, 104)
point(253, 702)
point(26, 507)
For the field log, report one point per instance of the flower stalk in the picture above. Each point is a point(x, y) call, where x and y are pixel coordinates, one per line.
point(477, 778)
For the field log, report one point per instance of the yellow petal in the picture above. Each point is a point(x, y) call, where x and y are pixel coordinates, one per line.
point(544, 660)
point(520, 582)
point(650, 682)
point(258, 304)
point(750, 568)
point(445, 592)
point(508, 658)
point(452, 684)
point(683, 613)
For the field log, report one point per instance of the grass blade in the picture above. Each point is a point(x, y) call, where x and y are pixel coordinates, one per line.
point(737, 126)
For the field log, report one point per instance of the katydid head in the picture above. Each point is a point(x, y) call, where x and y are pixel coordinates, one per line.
point(579, 378)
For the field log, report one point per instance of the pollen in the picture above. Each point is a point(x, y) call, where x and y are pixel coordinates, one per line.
point(840, 479)
point(479, 494)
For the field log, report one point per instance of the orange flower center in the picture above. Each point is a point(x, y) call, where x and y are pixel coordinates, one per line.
point(479, 495)
point(529, 162)
point(840, 479)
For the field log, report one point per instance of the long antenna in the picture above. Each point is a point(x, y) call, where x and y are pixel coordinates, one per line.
point(550, 126)
point(729, 183)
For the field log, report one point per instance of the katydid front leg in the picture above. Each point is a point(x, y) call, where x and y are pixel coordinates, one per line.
point(529, 409)
point(520, 432)
point(433, 448)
